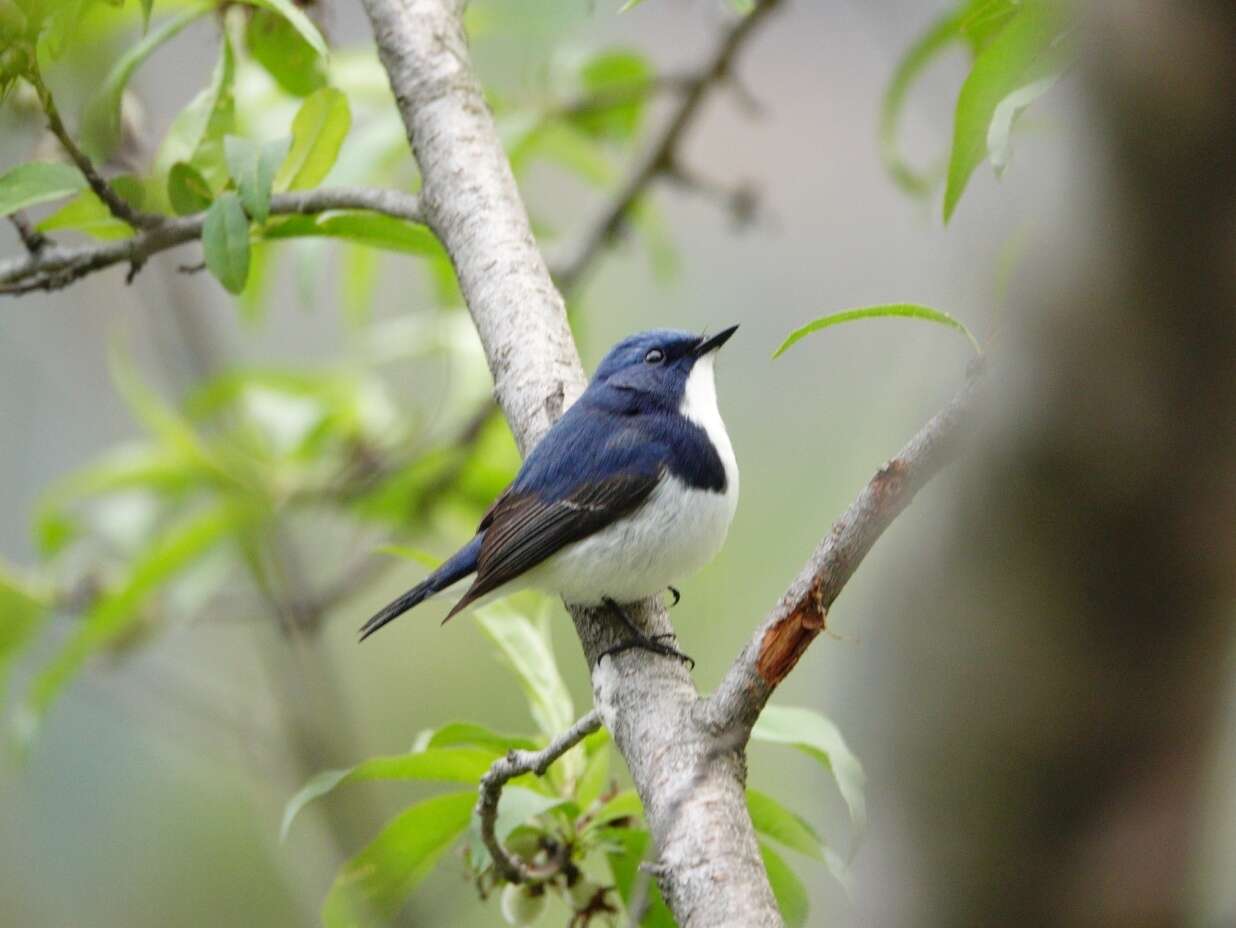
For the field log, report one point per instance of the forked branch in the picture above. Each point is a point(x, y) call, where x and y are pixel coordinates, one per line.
point(660, 157)
point(802, 613)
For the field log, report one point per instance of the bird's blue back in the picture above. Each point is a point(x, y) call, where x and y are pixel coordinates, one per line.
point(626, 422)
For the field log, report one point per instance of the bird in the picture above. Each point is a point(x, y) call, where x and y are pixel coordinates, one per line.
point(631, 490)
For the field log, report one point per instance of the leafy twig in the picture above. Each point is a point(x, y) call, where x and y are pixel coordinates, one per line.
point(56, 267)
point(517, 763)
point(102, 189)
point(34, 240)
point(658, 159)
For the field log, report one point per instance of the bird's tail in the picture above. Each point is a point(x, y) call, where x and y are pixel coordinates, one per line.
point(459, 566)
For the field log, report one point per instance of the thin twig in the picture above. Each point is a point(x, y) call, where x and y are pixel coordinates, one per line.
point(56, 267)
point(34, 240)
point(517, 763)
point(659, 156)
point(102, 189)
point(800, 616)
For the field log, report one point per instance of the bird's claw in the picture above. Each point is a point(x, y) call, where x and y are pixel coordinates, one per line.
point(653, 644)
point(677, 596)
point(641, 640)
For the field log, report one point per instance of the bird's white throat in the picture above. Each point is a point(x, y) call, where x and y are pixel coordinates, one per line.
point(699, 404)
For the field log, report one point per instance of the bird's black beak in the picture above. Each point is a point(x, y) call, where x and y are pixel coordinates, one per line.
point(712, 344)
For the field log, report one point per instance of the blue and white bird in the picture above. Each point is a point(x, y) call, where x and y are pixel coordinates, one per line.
point(631, 490)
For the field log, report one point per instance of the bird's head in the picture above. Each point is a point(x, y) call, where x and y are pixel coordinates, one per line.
point(660, 364)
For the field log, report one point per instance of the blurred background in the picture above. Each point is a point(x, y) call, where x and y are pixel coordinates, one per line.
point(1034, 665)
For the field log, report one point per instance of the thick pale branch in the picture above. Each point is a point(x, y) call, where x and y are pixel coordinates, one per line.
point(503, 771)
point(708, 859)
point(53, 267)
point(659, 157)
point(800, 616)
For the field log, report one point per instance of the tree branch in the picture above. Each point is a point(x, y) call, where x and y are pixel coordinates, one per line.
point(660, 156)
point(54, 267)
point(34, 240)
point(102, 189)
point(708, 860)
point(515, 764)
point(785, 633)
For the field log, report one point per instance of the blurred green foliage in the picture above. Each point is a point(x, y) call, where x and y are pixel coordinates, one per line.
point(1018, 49)
point(218, 475)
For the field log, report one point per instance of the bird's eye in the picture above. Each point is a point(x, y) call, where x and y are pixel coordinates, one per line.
point(655, 356)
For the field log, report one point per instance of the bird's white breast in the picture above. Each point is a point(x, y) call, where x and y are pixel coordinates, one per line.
point(676, 532)
point(699, 404)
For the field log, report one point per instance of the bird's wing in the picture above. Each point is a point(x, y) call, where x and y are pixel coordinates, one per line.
point(523, 528)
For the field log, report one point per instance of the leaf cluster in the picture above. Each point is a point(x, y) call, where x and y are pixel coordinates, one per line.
point(1018, 50)
point(575, 829)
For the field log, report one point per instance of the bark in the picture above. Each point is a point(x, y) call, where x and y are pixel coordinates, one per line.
point(686, 754)
point(690, 778)
point(51, 267)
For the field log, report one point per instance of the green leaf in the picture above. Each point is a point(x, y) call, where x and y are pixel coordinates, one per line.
point(87, 213)
point(569, 147)
point(526, 648)
point(359, 283)
point(819, 738)
point(145, 466)
point(840, 871)
point(625, 804)
point(617, 80)
point(196, 134)
point(253, 168)
point(22, 608)
point(773, 820)
point(899, 310)
point(100, 123)
point(980, 21)
point(788, 889)
point(1007, 110)
point(628, 847)
point(163, 422)
point(318, 131)
point(595, 778)
point(457, 733)
point(373, 885)
point(60, 23)
point(253, 302)
point(1019, 54)
point(116, 613)
point(276, 45)
point(447, 764)
point(298, 20)
point(943, 33)
point(187, 190)
point(37, 182)
point(225, 240)
point(517, 806)
point(364, 228)
point(147, 7)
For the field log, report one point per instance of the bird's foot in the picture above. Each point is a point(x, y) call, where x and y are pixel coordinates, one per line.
point(645, 643)
point(639, 639)
point(677, 596)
